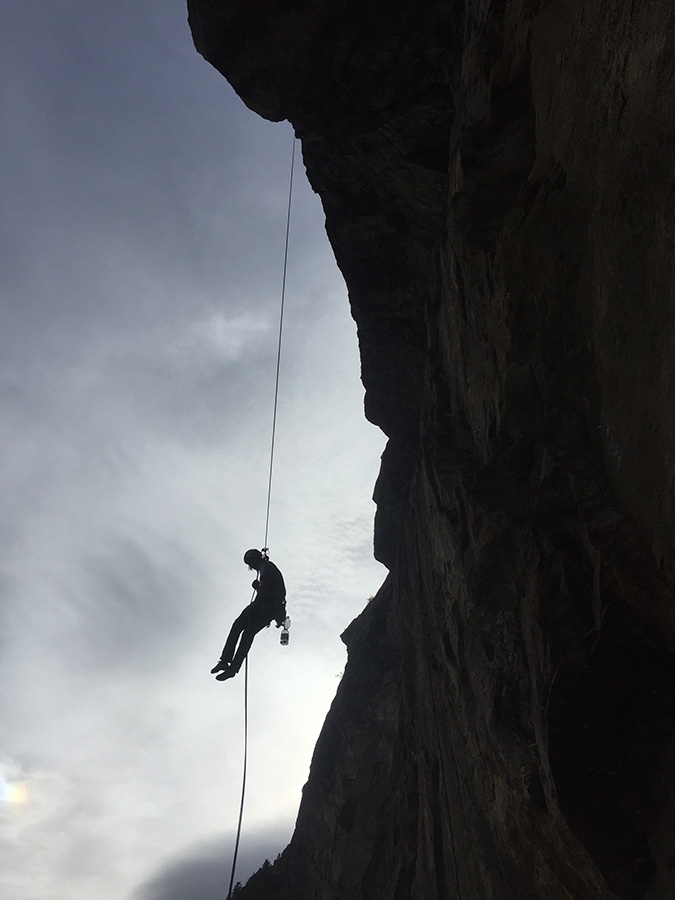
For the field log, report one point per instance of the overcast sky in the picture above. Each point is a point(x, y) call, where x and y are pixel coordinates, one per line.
point(143, 219)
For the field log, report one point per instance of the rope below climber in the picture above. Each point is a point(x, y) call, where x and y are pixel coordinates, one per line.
point(269, 604)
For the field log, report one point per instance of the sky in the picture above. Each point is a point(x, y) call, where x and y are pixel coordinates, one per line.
point(141, 255)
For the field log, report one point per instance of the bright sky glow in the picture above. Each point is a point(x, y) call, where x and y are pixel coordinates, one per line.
point(13, 793)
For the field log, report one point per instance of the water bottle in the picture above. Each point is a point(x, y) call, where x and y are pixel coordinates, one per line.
point(284, 632)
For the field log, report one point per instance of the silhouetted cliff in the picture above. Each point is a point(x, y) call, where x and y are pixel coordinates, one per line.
point(498, 181)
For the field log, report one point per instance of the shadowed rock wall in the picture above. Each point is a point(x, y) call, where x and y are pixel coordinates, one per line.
point(498, 181)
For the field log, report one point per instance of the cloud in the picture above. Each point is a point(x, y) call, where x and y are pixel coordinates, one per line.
point(219, 336)
point(204, 872)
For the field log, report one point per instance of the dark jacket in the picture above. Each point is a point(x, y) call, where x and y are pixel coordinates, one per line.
point(271, 591)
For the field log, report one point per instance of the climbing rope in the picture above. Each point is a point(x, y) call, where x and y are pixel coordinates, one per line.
point(267, 513)
point(281, 328)
point(243, 781)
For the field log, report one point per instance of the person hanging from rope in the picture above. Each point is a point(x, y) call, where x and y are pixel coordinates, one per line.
point(269, 604)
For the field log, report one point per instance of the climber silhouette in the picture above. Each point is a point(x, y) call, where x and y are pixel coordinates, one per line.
point(269, 603)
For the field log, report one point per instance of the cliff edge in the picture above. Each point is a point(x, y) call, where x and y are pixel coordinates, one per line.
point(498, 180)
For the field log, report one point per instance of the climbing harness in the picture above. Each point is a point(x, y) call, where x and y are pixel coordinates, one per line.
point(265, 550)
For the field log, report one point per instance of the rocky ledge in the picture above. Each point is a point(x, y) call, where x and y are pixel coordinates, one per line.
point(498, 180)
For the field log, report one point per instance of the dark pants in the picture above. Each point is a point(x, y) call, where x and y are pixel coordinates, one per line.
point(253, 619)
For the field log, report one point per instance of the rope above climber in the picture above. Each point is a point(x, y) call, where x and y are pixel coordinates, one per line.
point(268, 604)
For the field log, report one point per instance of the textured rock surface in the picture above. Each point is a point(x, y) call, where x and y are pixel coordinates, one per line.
point(498, 181)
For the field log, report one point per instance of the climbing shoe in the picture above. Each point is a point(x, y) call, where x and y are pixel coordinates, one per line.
point(228, 673)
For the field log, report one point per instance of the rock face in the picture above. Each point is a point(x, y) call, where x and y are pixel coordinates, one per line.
point(498, 180)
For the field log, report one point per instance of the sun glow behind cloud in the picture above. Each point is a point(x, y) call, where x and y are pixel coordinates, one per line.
point(13, 793)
